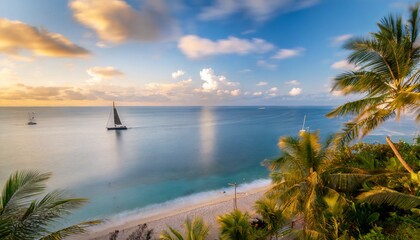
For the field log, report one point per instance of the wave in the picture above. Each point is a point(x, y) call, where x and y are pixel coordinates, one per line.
point(161, 209)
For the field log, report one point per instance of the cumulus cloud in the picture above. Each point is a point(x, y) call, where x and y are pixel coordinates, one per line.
point(211, 81)
point(293, 82)
point(272, 91)
point(177, 74)
point(261, 84)
point(340, 39)
point(218, 84)
point(258, 10)
point(288, 53)
point(16, 36)
point(100, 73)
point(235, 92)
point(295, 91)
point(257, 93)
point(168, 89)
point(116, 21)
point(344, 65)
point(196, 47)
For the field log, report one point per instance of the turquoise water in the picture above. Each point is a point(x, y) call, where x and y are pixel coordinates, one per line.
point(175, 154)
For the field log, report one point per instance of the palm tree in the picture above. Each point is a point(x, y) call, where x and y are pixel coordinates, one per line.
point(24, 217)
point(387, 75)
point(298, 185)
point(271, 214)
point(236, 225)
point(195, 230)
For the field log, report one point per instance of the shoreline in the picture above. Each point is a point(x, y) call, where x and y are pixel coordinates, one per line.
point(208, 210)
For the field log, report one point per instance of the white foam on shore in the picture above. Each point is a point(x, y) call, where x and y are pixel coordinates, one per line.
point(177, 204)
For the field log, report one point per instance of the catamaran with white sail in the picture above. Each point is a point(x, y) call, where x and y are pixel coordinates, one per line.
point(114, 121)
point(31, 118)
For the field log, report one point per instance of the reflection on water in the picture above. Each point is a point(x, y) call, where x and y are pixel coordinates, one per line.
point(207, 135)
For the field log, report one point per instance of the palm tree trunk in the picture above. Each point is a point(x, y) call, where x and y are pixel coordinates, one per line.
point(404, 163)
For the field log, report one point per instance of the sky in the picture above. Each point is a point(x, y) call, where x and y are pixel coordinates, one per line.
point(176, 53)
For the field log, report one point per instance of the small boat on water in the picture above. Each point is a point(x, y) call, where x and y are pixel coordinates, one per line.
point(31, 118)
point(303, 130)
point(114, 121)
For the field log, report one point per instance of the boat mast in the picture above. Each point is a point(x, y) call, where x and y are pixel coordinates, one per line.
point(303, 126)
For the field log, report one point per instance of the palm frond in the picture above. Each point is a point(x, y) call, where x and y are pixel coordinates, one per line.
point(20, 188)
point(72, 230)
point(165, 235)
point(355, 107)
point(382, 195)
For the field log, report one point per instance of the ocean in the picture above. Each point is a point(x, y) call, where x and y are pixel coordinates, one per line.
point(169, 156)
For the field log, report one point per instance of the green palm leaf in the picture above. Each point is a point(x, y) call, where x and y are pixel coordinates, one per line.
point(382, 195)
point(388, 77)
point(20, 188)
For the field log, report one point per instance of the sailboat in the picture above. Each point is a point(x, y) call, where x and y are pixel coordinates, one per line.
point(31, 118)
point(114, 122)
point(303, 130)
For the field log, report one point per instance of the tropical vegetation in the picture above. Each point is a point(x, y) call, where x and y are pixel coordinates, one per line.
point(386, 75)
point(194, 230)
point(23, 216)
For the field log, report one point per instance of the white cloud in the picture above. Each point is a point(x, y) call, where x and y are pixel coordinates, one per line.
point(100, 73)
point(17, 36)
point(340, 39)
point(220, 9)
point(261, 84)
point(116, 21)
point(266, 64)
point(168, 89)
point(177, 74)
point(288, 53)
point(295, 91)
point(272, 91)
point(293, 82)
point(257, 93)
point(195, 47)
point(235, 92)
point(258, 10)
point(344, 65)
point(211, 81)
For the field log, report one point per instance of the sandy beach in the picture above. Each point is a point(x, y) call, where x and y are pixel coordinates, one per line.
point(207, 210)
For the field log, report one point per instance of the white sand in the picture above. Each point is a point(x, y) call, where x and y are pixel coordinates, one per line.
point(207, 210)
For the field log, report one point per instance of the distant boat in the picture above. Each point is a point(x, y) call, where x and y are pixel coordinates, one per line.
point(114, 122)
point(261, 108)
point(303, 130)
point(31, 118)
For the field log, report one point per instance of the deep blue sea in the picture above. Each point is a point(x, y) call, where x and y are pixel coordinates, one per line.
point(168, 156)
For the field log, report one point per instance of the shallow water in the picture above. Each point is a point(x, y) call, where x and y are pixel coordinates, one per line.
point(167, 152)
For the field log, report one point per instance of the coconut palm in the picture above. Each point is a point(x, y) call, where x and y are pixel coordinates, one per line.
point(236, 225)
point(297, 182)
point(24, 217)
point(387, 74)
point(194, 230)
point(271, 214)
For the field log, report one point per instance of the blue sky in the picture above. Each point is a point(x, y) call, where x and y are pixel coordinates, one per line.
point(173, 52)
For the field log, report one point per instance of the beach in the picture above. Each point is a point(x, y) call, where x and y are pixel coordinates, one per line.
point(208, 210)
